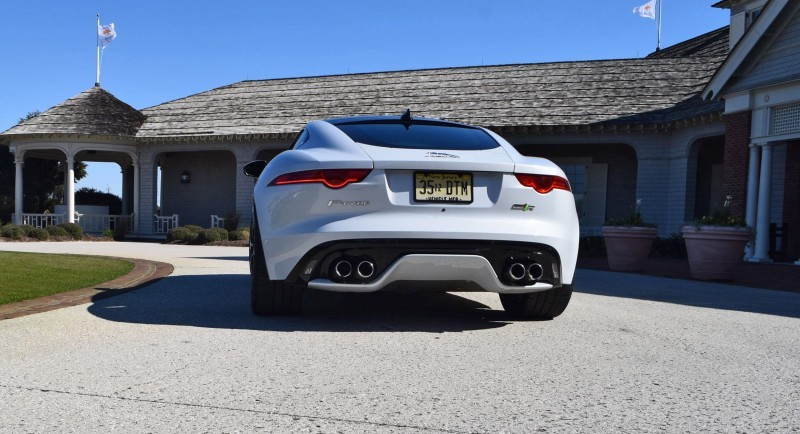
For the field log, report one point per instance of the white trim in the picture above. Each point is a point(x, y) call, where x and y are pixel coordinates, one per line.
point(777, 95)
point(738, 102)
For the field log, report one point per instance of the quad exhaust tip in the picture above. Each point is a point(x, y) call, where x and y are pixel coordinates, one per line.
point(343, 269)
point(519, 273)
point(535, 271)
point(365, 269)
point(515, 272)
point(348, 270)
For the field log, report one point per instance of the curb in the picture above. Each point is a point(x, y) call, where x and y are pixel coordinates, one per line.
point(144, 273)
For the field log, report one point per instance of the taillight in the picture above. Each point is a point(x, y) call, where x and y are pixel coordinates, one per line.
point(543, 183)
point(333, 178)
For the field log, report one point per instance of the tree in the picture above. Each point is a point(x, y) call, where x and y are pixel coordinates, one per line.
point(91, 196)
point(40, 179)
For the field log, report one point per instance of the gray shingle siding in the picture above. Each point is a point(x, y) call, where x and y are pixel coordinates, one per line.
point(780, 62)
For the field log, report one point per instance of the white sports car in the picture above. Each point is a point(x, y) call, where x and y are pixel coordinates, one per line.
point(367, 204)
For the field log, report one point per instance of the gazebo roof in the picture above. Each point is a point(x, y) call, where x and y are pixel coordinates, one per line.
point(93, 112)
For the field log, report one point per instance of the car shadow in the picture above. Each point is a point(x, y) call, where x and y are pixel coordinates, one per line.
point(223, 301)
point(688, 292)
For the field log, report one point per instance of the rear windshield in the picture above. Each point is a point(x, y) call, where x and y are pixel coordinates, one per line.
point(393, 134)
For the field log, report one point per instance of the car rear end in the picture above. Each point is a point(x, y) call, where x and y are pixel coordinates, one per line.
point(359, 205)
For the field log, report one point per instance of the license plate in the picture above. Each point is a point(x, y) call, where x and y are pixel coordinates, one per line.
point(443, 187)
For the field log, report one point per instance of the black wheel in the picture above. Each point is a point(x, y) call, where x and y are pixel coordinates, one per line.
point(270, 297)
point(538, 305)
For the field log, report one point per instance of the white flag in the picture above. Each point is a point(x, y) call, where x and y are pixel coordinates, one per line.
point(647, 10)
point(106, 34)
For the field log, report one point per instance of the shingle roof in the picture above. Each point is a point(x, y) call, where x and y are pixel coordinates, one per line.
point(563, 93)
point(712, 44)
point(659, 89)
point(92, 112)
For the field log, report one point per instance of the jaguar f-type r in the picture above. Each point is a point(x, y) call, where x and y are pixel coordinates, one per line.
point(368, 204)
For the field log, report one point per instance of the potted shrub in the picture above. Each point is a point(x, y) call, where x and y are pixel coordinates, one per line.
point(715, 244)
point(628, 241)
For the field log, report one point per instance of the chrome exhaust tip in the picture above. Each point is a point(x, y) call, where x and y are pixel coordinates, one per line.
point(515, 272)
point(365, 269)
point(343, 269)
point(535, 271)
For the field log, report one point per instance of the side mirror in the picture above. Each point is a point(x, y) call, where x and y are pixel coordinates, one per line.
point(254, 168)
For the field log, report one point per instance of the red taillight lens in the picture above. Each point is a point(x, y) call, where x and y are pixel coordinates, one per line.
point(334, 178)
point(543, 183)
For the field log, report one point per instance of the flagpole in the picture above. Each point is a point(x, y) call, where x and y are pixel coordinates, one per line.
point(97, 45)
point(658, 45)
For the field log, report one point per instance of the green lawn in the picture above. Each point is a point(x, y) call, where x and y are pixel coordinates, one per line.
point(24, 276)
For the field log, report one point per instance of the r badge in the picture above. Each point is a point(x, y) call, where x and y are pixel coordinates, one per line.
point(522, 207)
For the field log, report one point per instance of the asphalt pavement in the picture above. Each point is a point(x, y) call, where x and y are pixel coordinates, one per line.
point(632, 353)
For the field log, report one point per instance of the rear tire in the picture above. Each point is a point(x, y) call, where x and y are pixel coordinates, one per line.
point(270, 297)
point(538, 305)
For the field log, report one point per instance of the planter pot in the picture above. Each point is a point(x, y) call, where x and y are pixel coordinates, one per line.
point(627, 247)
point(714, 251)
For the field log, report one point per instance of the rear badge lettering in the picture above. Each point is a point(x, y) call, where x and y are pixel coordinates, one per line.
point(440, 155)
point(522, 207)
point(348, 203)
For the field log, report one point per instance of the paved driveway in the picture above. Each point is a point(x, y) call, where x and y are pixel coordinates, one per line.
point(630, 354)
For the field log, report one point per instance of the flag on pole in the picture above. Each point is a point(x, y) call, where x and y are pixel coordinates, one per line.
point(105, 34)
point(647, 10)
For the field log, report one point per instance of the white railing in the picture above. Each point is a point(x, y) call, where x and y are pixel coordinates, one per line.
point(99, 223)
point(217, 221)
point(165, 223)
point(91, 223)
point(39, 220)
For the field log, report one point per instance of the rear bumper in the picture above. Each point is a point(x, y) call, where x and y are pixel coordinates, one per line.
point(434, 268)
point(472, 265)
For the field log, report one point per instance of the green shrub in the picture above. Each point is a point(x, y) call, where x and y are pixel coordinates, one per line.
point(239, 235)
point(17, 233)
point(209, 236)
point(672, 246)
point(108, 233)
point(182, 235)
point(194, 228)
point(75, 230)
point(223, 233)
point(12, 231)
point(39, 234)
point(28, 229)
point(57, 231)
point(121, 228)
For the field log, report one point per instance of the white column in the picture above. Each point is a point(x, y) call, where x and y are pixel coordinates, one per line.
point(752, 193)
point(136, 212)
point(123, 169)
point(69, 190)
point(762, 214)
point(65, 181)
point(18, 190)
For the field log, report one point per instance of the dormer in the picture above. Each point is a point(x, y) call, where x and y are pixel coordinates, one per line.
point(743, 14)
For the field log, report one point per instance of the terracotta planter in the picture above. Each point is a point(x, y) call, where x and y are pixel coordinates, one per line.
point(627, 247)
point(714, 251)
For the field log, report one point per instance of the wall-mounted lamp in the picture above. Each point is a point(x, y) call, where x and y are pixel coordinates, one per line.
point(185, 177)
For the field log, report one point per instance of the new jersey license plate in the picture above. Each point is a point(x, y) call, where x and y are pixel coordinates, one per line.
point(443, 187)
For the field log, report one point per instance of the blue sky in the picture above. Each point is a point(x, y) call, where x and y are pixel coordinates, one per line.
point(170, 49)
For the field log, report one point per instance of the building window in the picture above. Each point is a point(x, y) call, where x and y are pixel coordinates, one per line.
point(752, 16)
